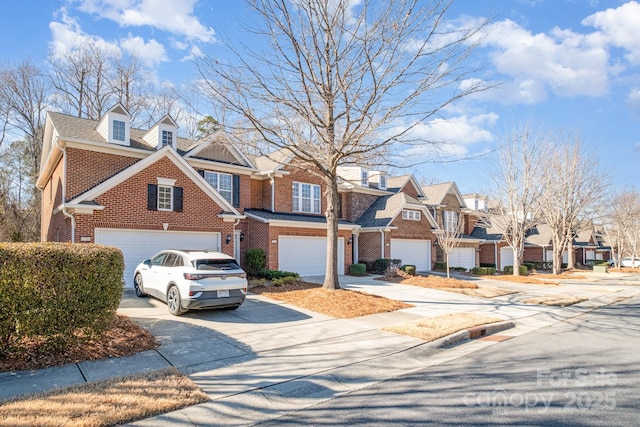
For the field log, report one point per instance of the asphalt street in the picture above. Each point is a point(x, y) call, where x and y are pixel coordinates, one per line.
point(582, 371)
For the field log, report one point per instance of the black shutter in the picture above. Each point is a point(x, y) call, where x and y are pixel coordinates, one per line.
point(152, 197)
point(236, 190)
point(177, 199)
point(201, 172)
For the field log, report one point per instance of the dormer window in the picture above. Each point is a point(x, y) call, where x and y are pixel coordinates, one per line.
point(119, 130)
point(364, 178)
point(383, 182)
point(167, 137)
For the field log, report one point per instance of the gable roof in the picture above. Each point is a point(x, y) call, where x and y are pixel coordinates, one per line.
point(540, 235)
point(435, 194)
point(274, 161)
point(397, 183)
point(169, 153)
point(217, 147)
point(385, 209)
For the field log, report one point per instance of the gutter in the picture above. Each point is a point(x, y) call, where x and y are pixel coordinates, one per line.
point(64, 189)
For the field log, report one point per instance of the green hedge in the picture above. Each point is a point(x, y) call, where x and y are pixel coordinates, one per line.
point(57, 292)
point(508, 269)
point(277, 274)
point(441, 266)
point(256, 262)
point(382, 265)
point(487, 264)
point(483, 271)
point(409, 269)
point(358, 270)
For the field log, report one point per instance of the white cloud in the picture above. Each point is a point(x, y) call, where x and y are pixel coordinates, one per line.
point(620, 27)
point(67, 36)
point(173, 16)
point(634, 100)
point(194, 53)
point(150, 53)
point(452, 137)
point(564, 62)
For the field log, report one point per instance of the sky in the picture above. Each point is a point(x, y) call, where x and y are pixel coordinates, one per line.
point(571, 65)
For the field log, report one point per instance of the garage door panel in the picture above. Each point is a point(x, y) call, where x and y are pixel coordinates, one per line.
point(506, 257)
point(412, 251)
point(463, 257)
point(138, 245)
point(307, 256)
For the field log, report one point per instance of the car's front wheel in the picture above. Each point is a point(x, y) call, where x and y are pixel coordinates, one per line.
point(138, 286)
point(174, 302)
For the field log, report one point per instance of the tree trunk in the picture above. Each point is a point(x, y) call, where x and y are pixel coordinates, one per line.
point(516, 262)
point(571, 256)
point(331, 273)
point(447, 258)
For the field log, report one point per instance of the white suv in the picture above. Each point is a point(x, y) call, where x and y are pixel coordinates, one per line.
point(187, 280)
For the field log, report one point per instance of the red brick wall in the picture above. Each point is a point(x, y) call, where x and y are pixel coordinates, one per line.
point(54, 227)
point(488, 254)
point(410, 190)
point(284, 194)
point(356, 204)
point(533, 253)
point(369, 246)
point(86, 169)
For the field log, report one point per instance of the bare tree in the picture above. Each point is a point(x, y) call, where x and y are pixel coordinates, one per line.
point(341, 83)
point(574, 186)
point(623, 215)
point(449, 236)
point(517, 186)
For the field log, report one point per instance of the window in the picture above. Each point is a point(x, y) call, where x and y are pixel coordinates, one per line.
point(158, 260)
point(364, 178)
point(118, 130)
point(383, 182)
point(222, 182)
point(164, 198)
point(450, 220)
point(306, 198)
point(411, 215)
point(167, 137)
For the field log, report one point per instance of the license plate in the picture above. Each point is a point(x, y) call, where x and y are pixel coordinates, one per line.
point(223, 294)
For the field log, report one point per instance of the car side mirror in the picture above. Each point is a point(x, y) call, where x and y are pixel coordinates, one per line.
point(147, 262)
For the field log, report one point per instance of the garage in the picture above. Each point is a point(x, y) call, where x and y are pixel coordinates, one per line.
point(506, 257)
point(463, 257)
point(413, 252)
point(307, 256)
point(138, 245)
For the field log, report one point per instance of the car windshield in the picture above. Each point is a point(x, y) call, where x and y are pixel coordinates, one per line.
point(216, 264)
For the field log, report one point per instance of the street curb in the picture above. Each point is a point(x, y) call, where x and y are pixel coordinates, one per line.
point(473, 333)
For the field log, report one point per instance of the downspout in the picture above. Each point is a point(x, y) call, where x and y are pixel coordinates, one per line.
point(64, 189)
point(495, 254)
point(233, 238)
point(273, 191)
point(381, 243)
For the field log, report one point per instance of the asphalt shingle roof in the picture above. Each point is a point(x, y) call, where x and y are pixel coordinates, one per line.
point(384, 210)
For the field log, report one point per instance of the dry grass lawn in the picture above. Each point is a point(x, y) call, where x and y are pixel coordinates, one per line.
point(105, 403)
point(436, 282)
point(527, 280)
point(124, 338)
point(341, 303)
point(556, 300)
point(432, 328)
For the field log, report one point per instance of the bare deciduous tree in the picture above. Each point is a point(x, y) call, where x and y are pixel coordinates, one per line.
point(449, 236)
point(517, 186)
point(341, 83)
point(574, 188)
point(623, 231)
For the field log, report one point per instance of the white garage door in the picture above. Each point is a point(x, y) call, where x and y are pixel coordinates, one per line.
point(138, 245)
point(307, 256)
point(412, 251)
point(463, 257)
point(565, 256)
point(506, 257)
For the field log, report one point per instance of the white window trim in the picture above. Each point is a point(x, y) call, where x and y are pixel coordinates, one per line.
point(312, 199)
point(450, 220)
point(167, 182)
point(411, 215)
point(124, 130)
point(383, 182)
point(162, 133)
point(170, 188)
point(364, 178)
point(217, 184)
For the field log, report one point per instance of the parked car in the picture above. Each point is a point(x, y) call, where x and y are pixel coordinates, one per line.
point(188, 280)
point(626, 262)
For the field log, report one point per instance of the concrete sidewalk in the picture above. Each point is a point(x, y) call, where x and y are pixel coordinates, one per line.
point(267, 358)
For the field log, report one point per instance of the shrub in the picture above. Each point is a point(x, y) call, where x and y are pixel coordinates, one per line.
point(256, 262)
point(57, 292)
point(483, 271)
point(529, 265)
point(358, 270)
point(487, 264)
point(441, 266)
point(458, 269)
point(508, 269)
point(409, 269)
point(383, 265)
point(277, 274)
point(285, 280)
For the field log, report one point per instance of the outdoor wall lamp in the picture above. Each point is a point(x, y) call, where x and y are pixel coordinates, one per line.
point(227, 240)
point(350, 240)
point(241, 237)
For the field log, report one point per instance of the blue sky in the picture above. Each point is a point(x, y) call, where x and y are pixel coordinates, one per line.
point(570, 64)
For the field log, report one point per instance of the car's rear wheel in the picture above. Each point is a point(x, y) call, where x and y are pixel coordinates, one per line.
point(174, 302)
point(138, 286)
